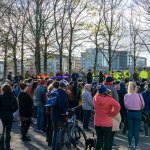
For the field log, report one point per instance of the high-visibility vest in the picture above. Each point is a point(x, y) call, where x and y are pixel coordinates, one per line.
point(112, 72)
point(126, 74)
point(117, 76)
point(143, 74)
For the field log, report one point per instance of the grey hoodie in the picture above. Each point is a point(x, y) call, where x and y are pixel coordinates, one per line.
point(87, 100)
point(113, 91)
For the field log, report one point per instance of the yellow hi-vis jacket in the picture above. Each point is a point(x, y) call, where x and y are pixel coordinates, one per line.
point(126, 74)
point(144, 74)
point(111, 72)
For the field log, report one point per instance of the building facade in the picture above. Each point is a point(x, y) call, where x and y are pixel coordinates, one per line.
point(120, 61)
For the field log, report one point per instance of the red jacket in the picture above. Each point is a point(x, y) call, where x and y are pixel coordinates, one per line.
point(105, 108)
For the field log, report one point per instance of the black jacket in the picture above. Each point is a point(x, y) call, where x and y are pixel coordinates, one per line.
point(8, 105)
point(101, 77)
point(25, 104)
point(89, 78)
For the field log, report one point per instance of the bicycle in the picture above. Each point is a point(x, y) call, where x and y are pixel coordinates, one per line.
point(77, 134)
point(63, 136)
point(1, 129)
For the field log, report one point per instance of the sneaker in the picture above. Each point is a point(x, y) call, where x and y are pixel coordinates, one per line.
point(25, 139)
point(115, 145)
point(87, 129)
point(130, 147)
point(136, 148)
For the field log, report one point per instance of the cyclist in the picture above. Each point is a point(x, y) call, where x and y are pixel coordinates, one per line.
point(60, 108)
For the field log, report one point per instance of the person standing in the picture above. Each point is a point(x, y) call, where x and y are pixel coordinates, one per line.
point(61, 107)
point(8, 105)
point(89, 77)
point(25, 110)
point(87, 106)
point(110, 86)
point(105, 108)
point(101, 76)
point(27, 75)
point(18, 78)
point(9, 76)
point(127, 75)
point(146, 97)
point(144, 75)
point(40, 99)
point(134, 103)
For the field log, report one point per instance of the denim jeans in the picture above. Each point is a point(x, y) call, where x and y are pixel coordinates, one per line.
point(104, 141)
point(86, 118)
point(40, 118)
point(134, 121)
point(146, 125)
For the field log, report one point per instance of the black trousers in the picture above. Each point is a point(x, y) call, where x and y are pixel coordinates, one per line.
point(104, 140)
point(49, 130)
point(25, 127)
point(7, 129)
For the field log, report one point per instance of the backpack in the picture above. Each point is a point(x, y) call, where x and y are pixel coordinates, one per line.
point(52, 99)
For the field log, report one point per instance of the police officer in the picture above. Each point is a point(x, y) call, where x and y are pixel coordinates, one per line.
point(127, 75)
point(144, 75)
point(112, 72)
point(118, 76)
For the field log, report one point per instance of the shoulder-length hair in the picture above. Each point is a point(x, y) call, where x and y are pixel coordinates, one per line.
point(132, 87)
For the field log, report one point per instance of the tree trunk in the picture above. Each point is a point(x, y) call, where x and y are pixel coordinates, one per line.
point(109, 53)
point(5, 58)
point(70, 51)
point(37, 43)
point(134, 54)
point(60, 59)
point(96, 57)
point(14, 56)
point(45, 56)
point(70, 62)
point(22, 53)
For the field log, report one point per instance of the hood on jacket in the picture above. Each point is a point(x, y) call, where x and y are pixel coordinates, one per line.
point(147, 92)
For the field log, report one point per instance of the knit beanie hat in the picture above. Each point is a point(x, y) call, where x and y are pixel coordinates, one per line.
point(101, 89)
point(109, 79)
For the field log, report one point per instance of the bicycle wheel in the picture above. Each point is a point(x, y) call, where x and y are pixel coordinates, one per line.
point(1, 129)
point(78, 136)
point(59, 140)
point(67, 138)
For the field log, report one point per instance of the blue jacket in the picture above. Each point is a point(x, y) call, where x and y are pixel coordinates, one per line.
point(61, 107)
point(146, 97)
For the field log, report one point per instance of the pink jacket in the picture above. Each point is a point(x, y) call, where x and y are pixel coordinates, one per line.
point(105, 108)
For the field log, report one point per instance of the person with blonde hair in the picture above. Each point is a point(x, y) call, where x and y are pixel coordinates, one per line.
point(134, 103)
point(87, 105)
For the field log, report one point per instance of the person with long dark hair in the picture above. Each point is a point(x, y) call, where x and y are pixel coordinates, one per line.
point(121, 93)
point(8, 105)
point(25, 110)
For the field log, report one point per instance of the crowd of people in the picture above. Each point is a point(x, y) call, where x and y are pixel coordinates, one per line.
point(117, 103)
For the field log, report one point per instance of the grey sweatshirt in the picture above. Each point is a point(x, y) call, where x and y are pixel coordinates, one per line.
point(87, 100)
point(113, 91)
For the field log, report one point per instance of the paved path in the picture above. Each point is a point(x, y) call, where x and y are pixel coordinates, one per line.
point(38, 140)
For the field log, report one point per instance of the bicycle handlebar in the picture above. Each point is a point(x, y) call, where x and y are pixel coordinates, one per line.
point(74, 108)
